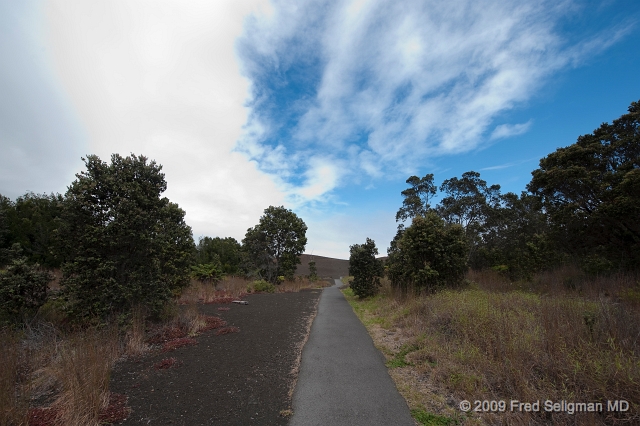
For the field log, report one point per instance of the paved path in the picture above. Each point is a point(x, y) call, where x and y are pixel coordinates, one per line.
point(343, 379)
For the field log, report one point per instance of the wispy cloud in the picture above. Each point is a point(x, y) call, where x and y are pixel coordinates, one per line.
point(384, 84)
point(507, 130)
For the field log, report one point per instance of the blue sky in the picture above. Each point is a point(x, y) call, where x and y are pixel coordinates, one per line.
point(326, 107)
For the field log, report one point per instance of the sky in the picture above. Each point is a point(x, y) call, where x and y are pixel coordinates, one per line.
point(324, 107)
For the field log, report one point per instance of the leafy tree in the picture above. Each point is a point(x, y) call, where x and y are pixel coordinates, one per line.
point(469, 202)
point(227, 251)
point(5, 206)
point(313, 271)
point(516, 238)
point(365, 269)
point(416, 198)
point(23, 287)
point(124, 244)
point(591, 191)
point(429, 254)
point(32, 221)
point(209, 273)
point(274, 245)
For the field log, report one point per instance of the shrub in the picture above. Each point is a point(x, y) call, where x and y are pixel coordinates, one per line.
point(263, 286)
point(23, 288)
point(429, 254)
point(365, 268)
point(125, 245)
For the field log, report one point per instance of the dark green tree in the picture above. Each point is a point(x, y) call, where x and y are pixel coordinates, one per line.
point(275, 244)
point(227, 251)
point(428, 255)
point(365, 269)
point(23, 287)
point(416, 198)
point(469, 202)
point(32, 221)
point(591, 192)
point(516, 238)
point(124, 244)
point(313, 271)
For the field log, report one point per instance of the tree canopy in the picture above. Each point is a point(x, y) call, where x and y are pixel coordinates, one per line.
point(365, 269)
point(591, 191)
point(274, 245)
point(124, 244)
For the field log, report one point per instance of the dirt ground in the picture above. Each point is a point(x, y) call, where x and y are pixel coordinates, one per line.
point(240, 378)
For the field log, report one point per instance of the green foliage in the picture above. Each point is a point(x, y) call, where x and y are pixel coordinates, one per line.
point(23, 287)
point(428, 419)
point(274, 245)
point(262, 286)
point(313, 271)
point(516, 237)
point(365, 269)
point(469, 203)
point(125, 245)
point(32, 221)
point(226, 251)
point(416, 198)
point(207, 272)
point(591, 191)
point(427, 255)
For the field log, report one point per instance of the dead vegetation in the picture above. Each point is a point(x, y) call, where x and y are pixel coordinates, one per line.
point(53, 374)
point(560, 337)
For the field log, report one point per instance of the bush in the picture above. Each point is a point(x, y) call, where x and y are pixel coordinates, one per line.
point(23, 288)
point(125, 245)
point(262, 286)
point(429, 254)
point(365, 268)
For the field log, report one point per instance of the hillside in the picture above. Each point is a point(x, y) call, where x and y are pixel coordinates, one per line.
point(327, 266)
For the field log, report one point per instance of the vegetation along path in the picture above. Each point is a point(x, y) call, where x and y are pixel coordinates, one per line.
point(343, 379)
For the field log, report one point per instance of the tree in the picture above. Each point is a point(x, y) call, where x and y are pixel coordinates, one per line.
point(365, 269)
point(429, 254)
point(591, 191)
point(23, 287)
point(516, 238)
point(469, 202)
point(416, 198)
point(227, 251)
point(32, 221)
point(125, 245)
point(275, 244)
point(313, 271)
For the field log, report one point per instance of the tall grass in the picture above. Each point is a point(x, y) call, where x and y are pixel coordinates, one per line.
point(562, 336)
point(14, 402)
point(83, 369)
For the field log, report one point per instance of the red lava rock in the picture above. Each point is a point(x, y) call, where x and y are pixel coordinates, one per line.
point(42, 416)
point(227, 330)
point(178, 343)
point(117, 410)
point(166, 363)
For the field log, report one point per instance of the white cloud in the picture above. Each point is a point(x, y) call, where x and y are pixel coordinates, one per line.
point(408, 80)
point(162, 79)
point(508, 130)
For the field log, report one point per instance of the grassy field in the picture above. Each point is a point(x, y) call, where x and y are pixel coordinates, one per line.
point(54, 374)
point(561, 337)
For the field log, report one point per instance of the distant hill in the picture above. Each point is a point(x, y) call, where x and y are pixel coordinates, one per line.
point(327, 266)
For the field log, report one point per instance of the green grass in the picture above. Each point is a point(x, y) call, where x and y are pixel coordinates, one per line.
point(428, 419)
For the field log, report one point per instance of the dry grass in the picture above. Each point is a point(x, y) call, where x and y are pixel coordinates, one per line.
point(82, 370)
point(52, 375)
point(14, 404)
point(233, 288)
point(560, 337)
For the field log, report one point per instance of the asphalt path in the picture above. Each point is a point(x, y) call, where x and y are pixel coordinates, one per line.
point(343, 379)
